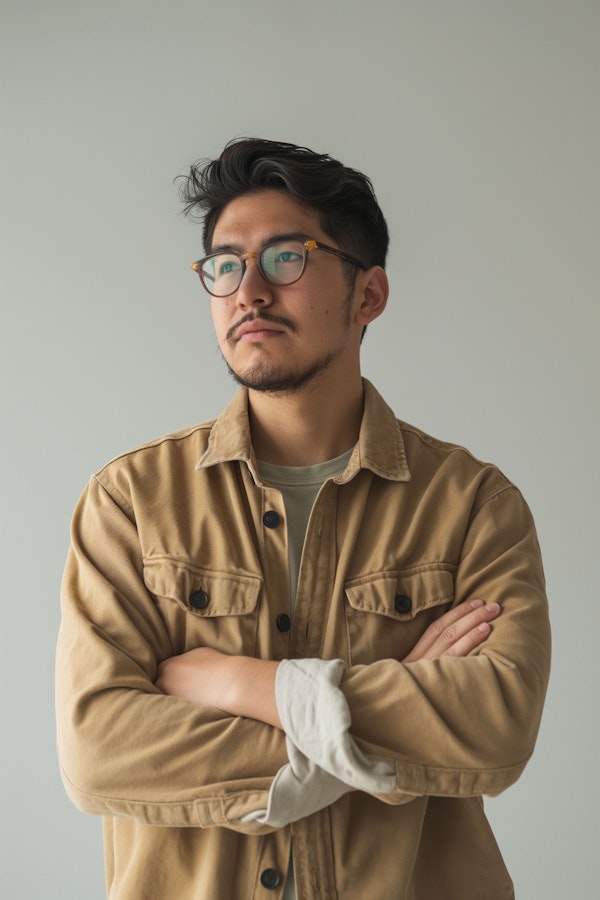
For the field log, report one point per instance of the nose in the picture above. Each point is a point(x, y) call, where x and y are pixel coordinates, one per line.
point(254, 290)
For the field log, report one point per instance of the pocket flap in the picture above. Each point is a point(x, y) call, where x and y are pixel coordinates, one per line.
point(401, 595)
point(202, 592)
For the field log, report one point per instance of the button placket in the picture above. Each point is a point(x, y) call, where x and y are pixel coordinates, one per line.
point(283, 622)
point(271, 518)
point(270, 879)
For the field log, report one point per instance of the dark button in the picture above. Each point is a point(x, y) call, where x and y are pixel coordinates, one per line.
point(270, 878)
point(199, 599)
point(283, 622)
point(403, 603)
point(271, 518)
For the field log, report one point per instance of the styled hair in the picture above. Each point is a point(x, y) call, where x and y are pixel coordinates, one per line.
point(344, 198)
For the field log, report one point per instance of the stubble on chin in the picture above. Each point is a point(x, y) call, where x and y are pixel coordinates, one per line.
point(279, 382)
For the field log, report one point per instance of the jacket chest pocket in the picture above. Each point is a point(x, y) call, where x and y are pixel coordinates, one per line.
point(203, 608)
point(387, 613)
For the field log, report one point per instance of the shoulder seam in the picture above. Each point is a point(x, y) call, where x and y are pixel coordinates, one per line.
point(444, 446)
point(167, 438)
point(509, 486)
point(114, 493)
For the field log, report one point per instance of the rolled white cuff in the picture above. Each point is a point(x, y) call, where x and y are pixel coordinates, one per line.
point(325, 762)
point(316, 718)
point(299, 789)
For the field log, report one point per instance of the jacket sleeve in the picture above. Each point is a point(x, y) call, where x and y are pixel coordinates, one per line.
point(447, 727)
point(124, 747)
point(465, 727)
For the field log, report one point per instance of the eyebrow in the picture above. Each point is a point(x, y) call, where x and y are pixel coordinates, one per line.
point(283, 236)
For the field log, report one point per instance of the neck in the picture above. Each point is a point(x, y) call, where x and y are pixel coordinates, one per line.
point(318, 423)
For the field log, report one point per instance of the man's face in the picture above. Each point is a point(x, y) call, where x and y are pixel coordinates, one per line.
point(280, 338)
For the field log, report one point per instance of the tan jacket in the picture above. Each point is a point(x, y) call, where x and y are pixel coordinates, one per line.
point(175, 545)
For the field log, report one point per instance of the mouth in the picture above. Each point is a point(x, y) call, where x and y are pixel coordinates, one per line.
point(259, 328)
point(254, 333)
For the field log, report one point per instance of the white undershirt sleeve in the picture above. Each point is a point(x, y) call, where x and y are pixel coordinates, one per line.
point(315, 717)
point(325, 762)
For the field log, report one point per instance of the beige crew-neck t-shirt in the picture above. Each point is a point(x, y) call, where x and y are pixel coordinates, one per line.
point(299, 486)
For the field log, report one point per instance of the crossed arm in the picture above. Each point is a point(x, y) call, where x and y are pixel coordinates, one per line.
point(245, 686)
point(115, 724)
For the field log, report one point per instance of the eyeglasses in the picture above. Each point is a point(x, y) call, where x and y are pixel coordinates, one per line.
point(279, 263)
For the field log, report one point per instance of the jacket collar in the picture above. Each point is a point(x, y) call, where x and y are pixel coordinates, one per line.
point(380, 446)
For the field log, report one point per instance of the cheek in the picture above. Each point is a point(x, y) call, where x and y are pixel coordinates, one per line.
point(328, 317)
point(318, 319)
point(221, 321)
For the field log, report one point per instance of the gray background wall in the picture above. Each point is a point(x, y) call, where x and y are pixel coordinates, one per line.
point(478, 122)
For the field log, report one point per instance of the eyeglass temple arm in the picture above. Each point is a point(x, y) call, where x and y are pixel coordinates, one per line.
point(312, 245)
point(197, 267)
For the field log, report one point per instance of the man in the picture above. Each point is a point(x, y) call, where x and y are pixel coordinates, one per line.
point(300, 642)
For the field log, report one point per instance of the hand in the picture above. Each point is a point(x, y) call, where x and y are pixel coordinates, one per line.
point(238, 685)
point(244, 686)
point(456, 633)
point(197, 675)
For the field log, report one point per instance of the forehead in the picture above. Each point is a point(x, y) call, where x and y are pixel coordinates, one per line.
point(251, 220)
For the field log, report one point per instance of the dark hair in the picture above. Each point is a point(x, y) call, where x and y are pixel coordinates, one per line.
point(343, 197)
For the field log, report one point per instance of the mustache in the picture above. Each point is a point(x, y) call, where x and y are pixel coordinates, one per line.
point(261, 317)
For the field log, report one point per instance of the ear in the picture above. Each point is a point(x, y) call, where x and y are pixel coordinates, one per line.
point(373, 289)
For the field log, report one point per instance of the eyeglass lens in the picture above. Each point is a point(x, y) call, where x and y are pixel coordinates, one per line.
point(279, 263)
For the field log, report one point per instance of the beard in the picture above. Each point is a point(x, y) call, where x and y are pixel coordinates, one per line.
point(278, 380)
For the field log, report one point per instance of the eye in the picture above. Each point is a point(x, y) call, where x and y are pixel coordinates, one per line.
point(287, 256)
point(227, 266)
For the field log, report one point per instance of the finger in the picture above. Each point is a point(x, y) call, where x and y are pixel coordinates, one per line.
point(437, 628)
point(452, 627)
point(469, 641)
point(457, 630)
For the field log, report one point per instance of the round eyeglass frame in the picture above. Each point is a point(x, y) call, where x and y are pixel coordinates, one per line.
point(306, 245)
